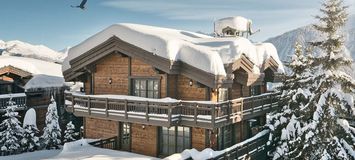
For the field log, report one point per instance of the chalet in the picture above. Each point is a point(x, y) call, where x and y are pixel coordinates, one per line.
point(30, 83)
point(160, 91)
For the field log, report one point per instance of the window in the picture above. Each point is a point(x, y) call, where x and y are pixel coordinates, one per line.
point(125, 136)
point(148, 88)
point(174, 139)
point(255, 90)
point(225, 137)
point(222, 94)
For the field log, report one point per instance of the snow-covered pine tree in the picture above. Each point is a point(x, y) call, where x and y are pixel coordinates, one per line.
point(52, 132)
point(285, 123)
point(30, 140)
point(327, 134)
point(319, 129)
point(11, 133)
point(69, 133)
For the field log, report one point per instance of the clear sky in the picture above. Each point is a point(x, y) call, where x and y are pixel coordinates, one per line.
point(55, 24)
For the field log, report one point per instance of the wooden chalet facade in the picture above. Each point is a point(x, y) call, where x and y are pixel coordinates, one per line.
point(12, 86)
point(211, 111)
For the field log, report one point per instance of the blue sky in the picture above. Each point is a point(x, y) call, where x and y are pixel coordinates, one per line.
point(55, 24)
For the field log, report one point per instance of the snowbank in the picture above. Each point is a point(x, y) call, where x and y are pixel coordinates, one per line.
point(177, 45)
point(209, 153)
point(82, 150)
point(30, 118)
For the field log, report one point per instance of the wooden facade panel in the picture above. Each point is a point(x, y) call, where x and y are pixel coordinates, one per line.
point(98, 128)
point(238, 91)
point(198, 139)
point(187, 92)
point(144, 139)
point(114, 67)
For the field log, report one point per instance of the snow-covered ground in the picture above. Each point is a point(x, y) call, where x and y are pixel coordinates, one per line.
point(79, 150)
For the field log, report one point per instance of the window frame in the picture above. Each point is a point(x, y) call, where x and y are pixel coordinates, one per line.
point(176, 146)
point(132, 80)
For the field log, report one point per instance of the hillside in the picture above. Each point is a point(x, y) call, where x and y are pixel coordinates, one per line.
point(23, 49)
point(285, 42)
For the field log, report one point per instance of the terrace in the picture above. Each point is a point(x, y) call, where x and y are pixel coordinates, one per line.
point(170, 112)
point(18, 98)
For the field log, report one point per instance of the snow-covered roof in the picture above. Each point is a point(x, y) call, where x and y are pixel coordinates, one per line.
point(45, 74)
point(239, 23)
point(45, 81)
point(201, 51)
point(31, 65)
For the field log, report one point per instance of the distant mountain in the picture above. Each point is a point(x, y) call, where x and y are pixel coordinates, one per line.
point(285, 42)
point(23, 49)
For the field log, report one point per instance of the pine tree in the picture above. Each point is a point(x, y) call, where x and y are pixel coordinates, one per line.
point(327, 134)
point(69, 133)
point(317, 128)
point(30, 140)
point(52, 132)
point(11, 133)
point(285, 123)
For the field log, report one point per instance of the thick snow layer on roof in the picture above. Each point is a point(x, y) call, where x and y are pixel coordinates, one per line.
point(201, 51)
point(45, 81)
point(30, 118)
point(31, 65)
point(239, 23)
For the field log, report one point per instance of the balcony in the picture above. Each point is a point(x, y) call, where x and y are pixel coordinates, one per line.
point(170, 112)
point(18, 98)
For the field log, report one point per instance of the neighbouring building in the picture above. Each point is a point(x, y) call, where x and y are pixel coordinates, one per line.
point(162, 90)
point(31, 83)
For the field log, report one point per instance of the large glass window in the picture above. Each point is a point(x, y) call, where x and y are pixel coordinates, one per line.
point(146, 88)
point(125, 136)
point(225, 137)
point(174, 139)
point(222, 94)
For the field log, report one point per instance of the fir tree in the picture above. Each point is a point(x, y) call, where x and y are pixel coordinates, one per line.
point(285, 123)
point(30, 140)
point(69, 133)
point(52, 132)
point(327, 134)
point(11, 133)
point(317, 128)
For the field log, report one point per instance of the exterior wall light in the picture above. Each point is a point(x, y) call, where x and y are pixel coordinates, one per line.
point(110, 80)
point(143, 126)
point(191, 82)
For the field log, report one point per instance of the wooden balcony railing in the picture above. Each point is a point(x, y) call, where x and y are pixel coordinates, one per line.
point(18, 98)
point(168, 113)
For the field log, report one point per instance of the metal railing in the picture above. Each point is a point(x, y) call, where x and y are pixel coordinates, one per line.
point(155, 112)
point(109, 143)
point(18, 98)
point(253, 149)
